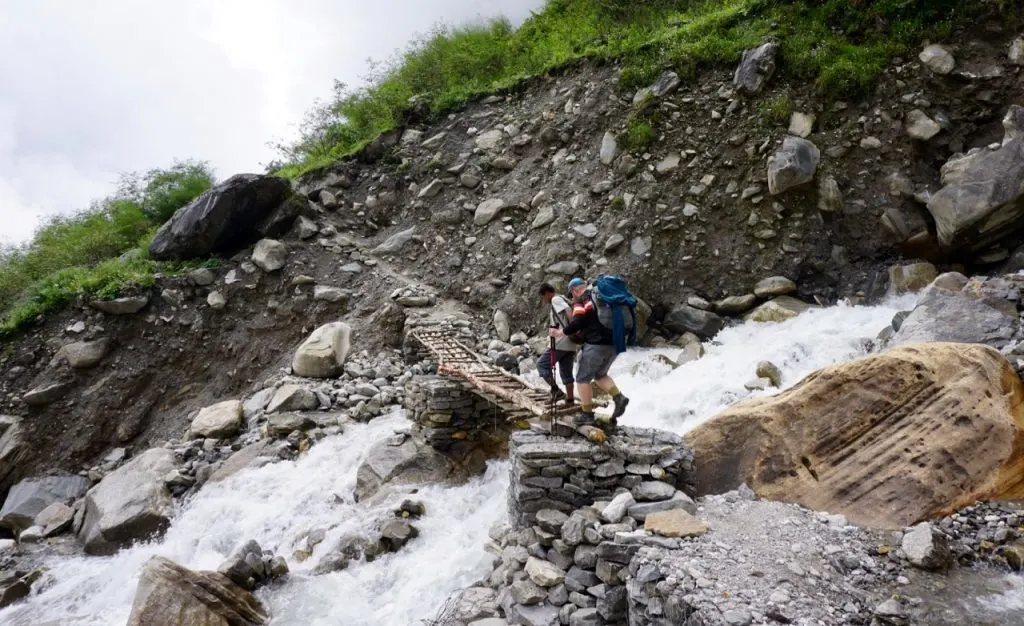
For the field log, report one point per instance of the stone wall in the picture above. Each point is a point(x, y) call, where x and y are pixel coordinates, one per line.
point(447, 413)
point(567, 474)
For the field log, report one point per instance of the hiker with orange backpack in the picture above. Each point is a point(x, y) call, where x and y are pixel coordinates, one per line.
point(605, 315)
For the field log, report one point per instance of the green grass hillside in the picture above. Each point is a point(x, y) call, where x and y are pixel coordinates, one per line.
point(839, 45)
point(96, 252)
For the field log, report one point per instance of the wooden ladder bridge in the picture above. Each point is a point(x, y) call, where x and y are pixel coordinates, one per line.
point(517, 398)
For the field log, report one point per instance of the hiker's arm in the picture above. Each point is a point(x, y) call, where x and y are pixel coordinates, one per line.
point(576, 324)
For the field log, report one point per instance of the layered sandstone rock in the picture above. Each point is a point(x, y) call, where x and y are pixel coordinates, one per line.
point(887, 440)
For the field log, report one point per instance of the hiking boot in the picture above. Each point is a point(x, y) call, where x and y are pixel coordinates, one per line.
point(583, 419)
point(608, 424)
point(621, 402)
point(557, 394)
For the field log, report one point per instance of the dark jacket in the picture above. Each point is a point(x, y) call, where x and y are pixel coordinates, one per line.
point(586, 322)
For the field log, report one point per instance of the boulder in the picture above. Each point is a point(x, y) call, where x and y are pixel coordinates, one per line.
point(269, 255)
point(131, 503)
point(734, 305)
point(14, 449)
point(399, 460)
point(982, 198)
point(27, 499)
point(171, 595)
point(253, 455)
point(488, 210)
point(396, 533)
point(926, 547)
point(128, 305)
point(793, 165)
point(323, 354)
point(83, 354)
point(395, 243)
point(292, 398)
point(774, 286)
point(911, 277)
point(755, 69)
point(778, 310)
point(228, 217)
point(938, 59)
point(920, 126)
point(850, 439)
point(685, 318)
point(284, 424)
point(767, 369)
point(956, 309)
point(55, 519)
point(220, 420)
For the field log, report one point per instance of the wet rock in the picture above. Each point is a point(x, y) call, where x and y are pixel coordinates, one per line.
point(774, 286)
point(396, 242)
point(29, 498)
point(269, 255)
point(767, 369)
point(926, 547)
point(284, 424)
point(793, 165)
point(292, 398)
point(488, 210)
point(755, 69)
point(955, 309)
point(397, 533)
point(734, 305)
point(399, 460)
point(958, 393)
point(228, 217)
point(221, 420)
point(167, 589)
point(938, 59)
point(121, 306)
point(323, 354)
point(131, 503)
point(685, 318)
point(911, 277)
point(920, 126)
point(83, 354)
point(778, 310)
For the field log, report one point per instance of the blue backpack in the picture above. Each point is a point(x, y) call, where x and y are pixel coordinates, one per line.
point(612, 300)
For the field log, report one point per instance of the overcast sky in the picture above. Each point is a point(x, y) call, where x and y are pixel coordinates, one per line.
point(90, 89)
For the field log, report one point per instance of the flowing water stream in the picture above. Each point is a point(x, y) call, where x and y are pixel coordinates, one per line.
point(278, 503)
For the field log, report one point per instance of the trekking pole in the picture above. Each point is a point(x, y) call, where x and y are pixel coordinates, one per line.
point(552, 361)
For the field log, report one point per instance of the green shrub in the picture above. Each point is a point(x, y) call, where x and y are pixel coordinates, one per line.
point(639, 134)
point(840, 45)
point(79, 253)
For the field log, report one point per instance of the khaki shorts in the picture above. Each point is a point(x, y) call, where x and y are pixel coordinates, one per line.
point(594, 362)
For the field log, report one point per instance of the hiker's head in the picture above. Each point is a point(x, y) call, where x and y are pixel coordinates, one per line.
point(547, 292)
point(577, 286)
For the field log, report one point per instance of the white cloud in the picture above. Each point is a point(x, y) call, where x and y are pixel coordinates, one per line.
point(93, 89)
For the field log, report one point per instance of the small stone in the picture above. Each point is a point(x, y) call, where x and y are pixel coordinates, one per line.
point(527, 592)
point(216, 300)
point(609, 148)
point(774, 286)
point(653, 491)
point(325, 293)
point(920, 126)
point(871, 143)
point(617, 508)
point(269, 255)
point(668, 164)
point(738, 617)
point(801, 124)
point(767, 369)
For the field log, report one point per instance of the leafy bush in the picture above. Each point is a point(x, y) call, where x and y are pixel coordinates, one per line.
point(79, 253)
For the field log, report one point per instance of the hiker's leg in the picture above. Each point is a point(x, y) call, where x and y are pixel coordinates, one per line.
point(565, 363)
point(544, 369)
point(605, 382)
point(590, 363)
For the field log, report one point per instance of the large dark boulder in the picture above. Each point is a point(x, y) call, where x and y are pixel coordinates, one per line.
point(685, 318)
point(230, 216)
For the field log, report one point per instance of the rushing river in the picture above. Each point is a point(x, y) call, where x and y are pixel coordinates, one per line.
point(277, 504)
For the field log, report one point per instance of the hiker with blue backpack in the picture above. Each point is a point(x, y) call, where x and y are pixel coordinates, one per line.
point(605, 316)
